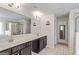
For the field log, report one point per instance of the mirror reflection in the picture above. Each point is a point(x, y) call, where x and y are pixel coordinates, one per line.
point(13, 28)
point(12, 23)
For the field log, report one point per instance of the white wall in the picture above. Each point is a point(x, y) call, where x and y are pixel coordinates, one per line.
point(63, 20)
point(43, 29)
point(77, 34)
point(55, 30)
point(73, 37)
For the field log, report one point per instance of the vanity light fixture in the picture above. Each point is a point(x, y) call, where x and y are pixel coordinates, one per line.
point(48, 23)
point(10, 4)
point(34, 24)
point(37, 15)
point(17, 5)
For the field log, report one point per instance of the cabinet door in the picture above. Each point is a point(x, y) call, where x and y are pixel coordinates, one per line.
point(45, 41)
point(35, 45)
point(16, 48)
point(26, 51)
point(6, 52)
point(41, 44)
point(19, 47)
point(16, 53)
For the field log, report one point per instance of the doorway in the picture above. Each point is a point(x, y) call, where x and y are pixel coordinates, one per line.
point(62, 32)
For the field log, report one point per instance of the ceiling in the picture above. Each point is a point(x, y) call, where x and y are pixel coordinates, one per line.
point(4, 13)
point(59, 9)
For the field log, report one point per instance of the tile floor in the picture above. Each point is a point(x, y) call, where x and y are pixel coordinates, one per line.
point(60, 49)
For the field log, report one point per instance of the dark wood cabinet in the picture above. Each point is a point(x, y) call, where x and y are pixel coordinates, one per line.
point(35, 45)
point(45, 41)
point(26, 48)
point(16, 53)
point(19, 47)
point(39, 44)
point(26, 51)
point(22, 49)
point(15, 49)
point(6, 52)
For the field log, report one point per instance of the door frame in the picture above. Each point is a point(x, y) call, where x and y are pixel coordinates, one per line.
point(64, 31)
point(59, 40)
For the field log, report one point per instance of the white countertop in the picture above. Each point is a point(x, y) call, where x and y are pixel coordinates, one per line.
point(18, 39)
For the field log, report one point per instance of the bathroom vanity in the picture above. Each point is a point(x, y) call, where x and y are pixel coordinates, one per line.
point(22, 49)
point(25, 46)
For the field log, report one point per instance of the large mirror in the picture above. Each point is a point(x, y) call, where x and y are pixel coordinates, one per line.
point(12, 23)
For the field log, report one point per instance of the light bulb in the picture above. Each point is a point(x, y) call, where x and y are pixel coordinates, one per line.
point(17, 5)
